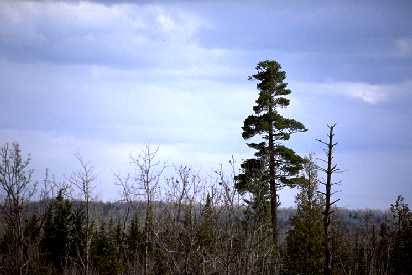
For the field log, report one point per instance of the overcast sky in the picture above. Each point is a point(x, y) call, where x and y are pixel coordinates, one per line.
point(103, 79)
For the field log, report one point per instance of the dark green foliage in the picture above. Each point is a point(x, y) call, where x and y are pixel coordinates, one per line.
point(57, 238)
point(78, 236)
point(104, 252)
point(63, 241)
point(32, 229)
point(274, 165)
point(135, 241)
point(272, 96)
point(160, 261)
point(402, 243)
point(304, 240)
point(119, 237)
point(6, 248)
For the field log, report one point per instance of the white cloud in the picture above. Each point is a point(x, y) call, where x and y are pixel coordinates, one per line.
point(366, 92)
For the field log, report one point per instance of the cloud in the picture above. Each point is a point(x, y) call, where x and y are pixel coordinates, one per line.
point(365, 92)
point(123, 35)
point(103, 80)
point(124, 106)
point(211, 37)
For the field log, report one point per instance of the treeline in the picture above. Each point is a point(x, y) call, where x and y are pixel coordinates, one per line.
point(185, 224)
point(199, 228)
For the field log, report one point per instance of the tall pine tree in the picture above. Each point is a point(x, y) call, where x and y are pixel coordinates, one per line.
point(275, 165)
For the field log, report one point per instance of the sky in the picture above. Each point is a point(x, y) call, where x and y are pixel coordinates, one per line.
point(105, 78)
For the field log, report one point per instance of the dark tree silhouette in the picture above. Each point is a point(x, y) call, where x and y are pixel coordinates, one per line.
point(275, 165)
point(330, 169)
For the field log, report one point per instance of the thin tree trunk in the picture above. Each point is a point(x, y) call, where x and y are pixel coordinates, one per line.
point(326, 218)
point(87, 232)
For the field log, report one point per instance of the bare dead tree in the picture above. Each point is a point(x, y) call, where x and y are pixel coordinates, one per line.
point(48, 189)
point(180, 215)
point(128, 196)
point(16, 189)
point(331, 168)
point(177, 190)
point(230, 202)
point(83, 180)
point(148, 172)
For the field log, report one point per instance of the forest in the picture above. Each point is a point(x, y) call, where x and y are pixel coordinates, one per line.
point(182, 223)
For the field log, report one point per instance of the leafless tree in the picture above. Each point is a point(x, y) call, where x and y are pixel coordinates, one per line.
point(148, 172)
point(83, 180)
point(331, 168)
point(17, 188)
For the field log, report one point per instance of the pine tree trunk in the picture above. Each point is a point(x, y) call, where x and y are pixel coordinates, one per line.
point(272, 183)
